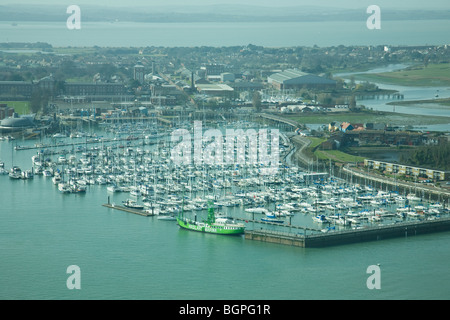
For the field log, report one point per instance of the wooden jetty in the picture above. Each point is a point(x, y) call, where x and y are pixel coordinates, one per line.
point(332, 238)
point(122, 208)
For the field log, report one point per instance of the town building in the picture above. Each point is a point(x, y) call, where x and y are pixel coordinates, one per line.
point(227, 77)
point(213, 69)
point(98, 90)
point(85, 90)
point(219, 89)
point(295, 79)
point(5, 111)
point(437, 175)
point(139, 73)
point(14, 89)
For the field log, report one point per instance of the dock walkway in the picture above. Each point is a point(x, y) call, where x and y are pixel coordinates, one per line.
point(278, 224)
point(332, 238)
point(122, 208)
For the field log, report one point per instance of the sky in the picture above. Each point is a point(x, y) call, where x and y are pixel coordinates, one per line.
point(406, 4)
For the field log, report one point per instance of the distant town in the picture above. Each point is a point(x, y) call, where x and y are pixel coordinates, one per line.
point(47, 90)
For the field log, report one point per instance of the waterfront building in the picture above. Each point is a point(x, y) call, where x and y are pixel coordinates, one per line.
point(24, 89)
point(389, 167)
point(16, 123)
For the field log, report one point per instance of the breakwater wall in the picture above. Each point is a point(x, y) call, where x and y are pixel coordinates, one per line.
point(333, 238)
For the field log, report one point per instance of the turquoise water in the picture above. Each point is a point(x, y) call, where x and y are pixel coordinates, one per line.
point(126, 256)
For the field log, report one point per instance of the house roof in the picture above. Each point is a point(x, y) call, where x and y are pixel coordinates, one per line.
point(346, 125)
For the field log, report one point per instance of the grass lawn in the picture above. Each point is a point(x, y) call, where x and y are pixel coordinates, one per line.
point(337, 156)
point(430, 76)
point(21, 107)
point(315, 142)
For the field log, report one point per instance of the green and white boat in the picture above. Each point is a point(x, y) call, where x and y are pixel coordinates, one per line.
point(212, 224)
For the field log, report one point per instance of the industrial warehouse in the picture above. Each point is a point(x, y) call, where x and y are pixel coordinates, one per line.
point(295, 79)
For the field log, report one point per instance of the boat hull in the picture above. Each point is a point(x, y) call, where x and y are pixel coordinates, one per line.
point(214, 229)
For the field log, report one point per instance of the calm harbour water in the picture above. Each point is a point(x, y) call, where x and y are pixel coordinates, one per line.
point(126, 256)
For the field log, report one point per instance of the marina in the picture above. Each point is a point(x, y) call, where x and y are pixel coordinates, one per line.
point(314, 210)
point(120, 199)
point(142, 178)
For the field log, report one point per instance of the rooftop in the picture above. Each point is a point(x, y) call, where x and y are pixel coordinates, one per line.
point(293, 76)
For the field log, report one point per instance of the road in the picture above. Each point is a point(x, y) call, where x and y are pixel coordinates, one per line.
point(403, 184)
point(304, 143)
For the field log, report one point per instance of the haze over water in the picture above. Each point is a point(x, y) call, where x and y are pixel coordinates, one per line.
point(275, 34)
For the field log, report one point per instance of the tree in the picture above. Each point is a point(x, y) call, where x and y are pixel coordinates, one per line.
point(35, 102)
point(256, 101)
point(352, 103)
point(39, 101)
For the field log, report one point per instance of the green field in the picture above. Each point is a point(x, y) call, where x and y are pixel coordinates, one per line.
point(423, 76)
point(334, 155)
point(337, 156)
point(21, 107)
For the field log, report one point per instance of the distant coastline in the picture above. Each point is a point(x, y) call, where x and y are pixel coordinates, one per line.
point(219, 34)
point(210, 13)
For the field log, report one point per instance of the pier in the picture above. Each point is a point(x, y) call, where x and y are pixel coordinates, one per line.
point(332, 238)
point(135, 211)
point(278, 224)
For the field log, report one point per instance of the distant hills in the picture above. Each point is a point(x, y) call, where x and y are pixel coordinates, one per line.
point(209, 13)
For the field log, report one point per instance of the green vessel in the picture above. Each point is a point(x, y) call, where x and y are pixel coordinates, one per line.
point(212, 224)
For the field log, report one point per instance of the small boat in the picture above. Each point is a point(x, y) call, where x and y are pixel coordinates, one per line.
point(15, 173)
point(59, 135)
point(64, 188)
point(320, 219)
point(78, 189)
point(325, 230)
point(47, 173)
point(56, 178)
point(113, 188)
point(27, 174)
point(273, 220)
point(167, 217)
point(129, 203)
point(256, 210)
point(374, 218)
point(413, 197)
